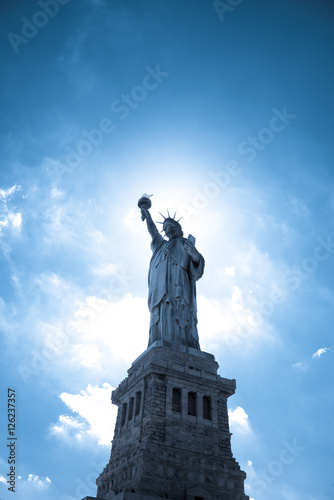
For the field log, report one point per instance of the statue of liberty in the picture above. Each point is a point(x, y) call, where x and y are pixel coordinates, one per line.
point(175, 267)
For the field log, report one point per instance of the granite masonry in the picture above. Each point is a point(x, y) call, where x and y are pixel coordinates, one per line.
point(172, 437)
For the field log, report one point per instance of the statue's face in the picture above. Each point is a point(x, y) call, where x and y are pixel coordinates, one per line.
point(170, 229)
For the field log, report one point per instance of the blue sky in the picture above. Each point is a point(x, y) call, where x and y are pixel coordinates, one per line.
point(224, 112)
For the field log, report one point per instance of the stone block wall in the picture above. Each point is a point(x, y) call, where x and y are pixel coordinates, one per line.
point(172, 436)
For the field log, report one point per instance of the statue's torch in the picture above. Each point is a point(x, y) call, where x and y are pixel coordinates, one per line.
point(144, 202)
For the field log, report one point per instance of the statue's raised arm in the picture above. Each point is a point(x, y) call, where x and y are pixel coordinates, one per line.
point(175, 267)
point(152, 228)
point(144, 204)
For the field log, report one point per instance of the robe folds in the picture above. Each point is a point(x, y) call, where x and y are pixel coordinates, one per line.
point(172, 292)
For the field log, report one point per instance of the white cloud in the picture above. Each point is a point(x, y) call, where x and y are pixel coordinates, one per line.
point(230, 271)
point(60, 222)
point(228, 320)
point(114, 279)
point(63, 222)
point(252, 477)
point(71, 224)
point(300, 365)
point(255, 284)
point(33, 486)
point(39, 482)
point(56, 287)
point(120, 328)
point(68, 427)
point(252, 270)
point(303, 365)
point(15, 219)
point(130, 218)
point(5, 193)
point(88, 355)
point(29, 486)
point(238, 419)
point(57, 193)
point(94, 416)
point(106, 269)
point(99, 337)
point(9, 219)
point(250, 470)
point(251, 262)
point(319, 352)
point(97, 236)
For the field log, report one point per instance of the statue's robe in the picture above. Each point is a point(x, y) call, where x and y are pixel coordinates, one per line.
point(172, 292)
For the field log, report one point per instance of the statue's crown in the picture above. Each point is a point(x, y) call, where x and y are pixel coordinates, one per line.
point(169, 218)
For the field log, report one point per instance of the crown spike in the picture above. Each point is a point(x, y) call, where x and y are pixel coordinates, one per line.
point(179, 219)
point(174, 215)
point(158, 222)
point(168, 213)
point(162, 215)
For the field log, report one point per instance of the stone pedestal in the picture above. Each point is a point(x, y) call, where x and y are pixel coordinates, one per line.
point(172, 436)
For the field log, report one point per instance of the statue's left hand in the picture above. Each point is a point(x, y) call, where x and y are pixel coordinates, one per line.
point(191, 250)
